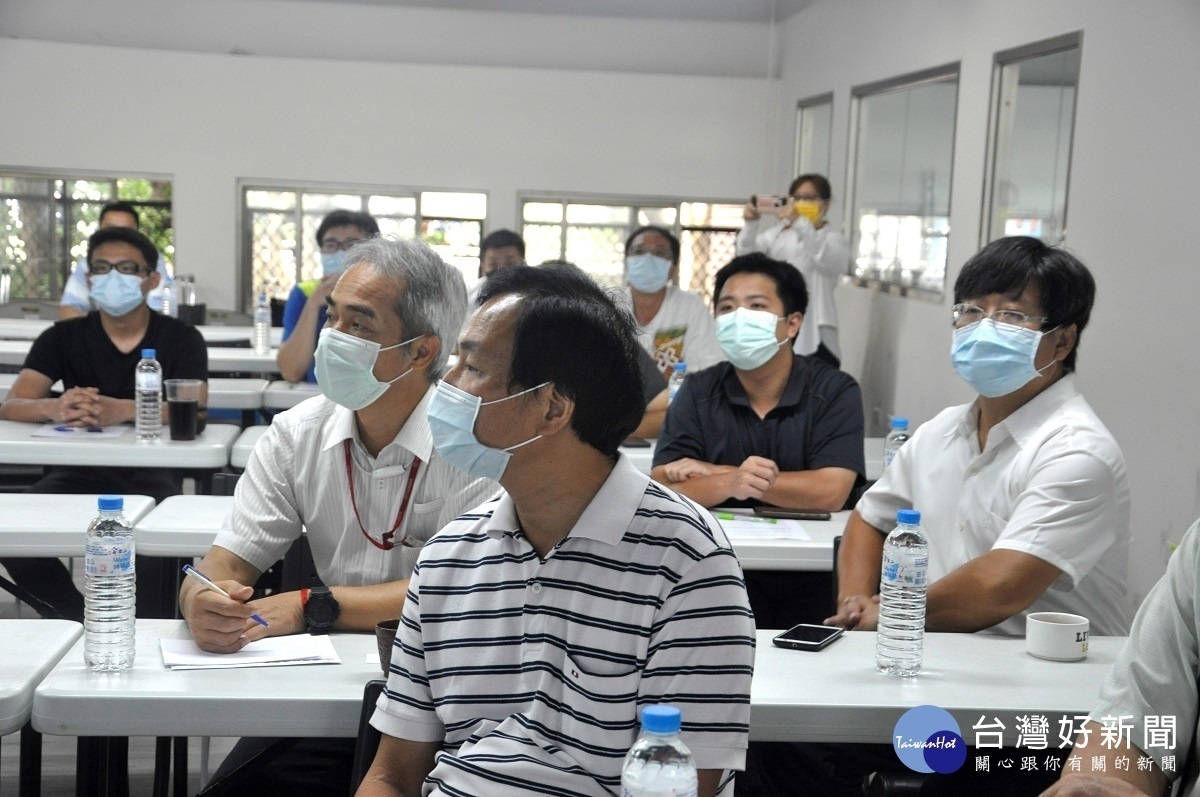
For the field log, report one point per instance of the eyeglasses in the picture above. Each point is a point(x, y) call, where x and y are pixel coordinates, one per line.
point(664, 253)
point(99, 267)
point(331, 245)
point(967, 314)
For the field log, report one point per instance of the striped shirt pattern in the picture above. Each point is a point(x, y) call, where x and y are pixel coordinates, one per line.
point(296, 480)
point(533, 672)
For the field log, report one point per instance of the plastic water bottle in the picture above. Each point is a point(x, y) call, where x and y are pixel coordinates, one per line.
point(109, 594)
point(895, 438)
point(659, 763)
point(148, 396)
point(676, 381)
point(900, 643)
point(262, 325)
point(170, 302)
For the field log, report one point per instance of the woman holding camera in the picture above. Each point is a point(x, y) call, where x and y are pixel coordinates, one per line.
point(819, 252)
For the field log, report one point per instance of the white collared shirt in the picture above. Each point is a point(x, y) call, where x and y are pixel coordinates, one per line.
point(1051, 483)
point(296, 478)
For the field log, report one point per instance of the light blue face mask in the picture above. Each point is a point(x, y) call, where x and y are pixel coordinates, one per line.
point(333, 262)
point(452, 414)
point(647, 273)
point(345, 368)
point(996, 359)
point(117, 294)
point(748, 337)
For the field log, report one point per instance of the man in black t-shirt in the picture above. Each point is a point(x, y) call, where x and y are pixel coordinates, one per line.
point(95, 357)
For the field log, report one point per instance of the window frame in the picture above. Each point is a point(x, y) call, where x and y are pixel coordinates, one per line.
point(798, 153)
point(1001, 60)
point(936, 74)
point(245, 235)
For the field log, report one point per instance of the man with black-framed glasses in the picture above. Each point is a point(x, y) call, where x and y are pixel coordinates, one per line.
point(1023, 492)
point(95, 357)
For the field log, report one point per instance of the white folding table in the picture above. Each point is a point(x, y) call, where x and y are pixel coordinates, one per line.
point(241, 360)
point(836, 694)
point(182, 526)
point(210, 449)
point(239, 454)
point(31, 649)
point(38, 524)
point(283, 395)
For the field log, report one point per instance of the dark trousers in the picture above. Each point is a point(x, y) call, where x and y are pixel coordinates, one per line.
point(308, 768)
point(48, 580)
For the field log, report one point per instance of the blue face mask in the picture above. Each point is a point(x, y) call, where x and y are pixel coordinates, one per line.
point(452, 414)
point(117, 294)
point(748, 337)
point(333, 262)
point(996, 359)
point(647, 273)
point(345, 368)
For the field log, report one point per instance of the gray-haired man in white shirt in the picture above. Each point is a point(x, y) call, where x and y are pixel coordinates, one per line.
point(355, 467)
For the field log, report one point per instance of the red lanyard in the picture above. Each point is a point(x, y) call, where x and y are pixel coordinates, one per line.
point(387, 543)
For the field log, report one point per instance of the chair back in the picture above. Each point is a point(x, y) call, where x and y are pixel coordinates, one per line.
point(368, 736)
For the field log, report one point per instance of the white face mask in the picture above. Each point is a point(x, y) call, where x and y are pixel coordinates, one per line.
point(346, 368)
point(748, 337)
point(117, 294)
point(452, 415)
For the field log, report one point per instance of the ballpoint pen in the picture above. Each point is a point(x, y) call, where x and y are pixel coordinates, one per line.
point(206, 581)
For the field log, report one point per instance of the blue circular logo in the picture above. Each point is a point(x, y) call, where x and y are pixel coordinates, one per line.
point(927, 739)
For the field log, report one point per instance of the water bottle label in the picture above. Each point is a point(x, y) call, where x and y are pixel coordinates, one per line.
point(905, 570)
point(888, 455)
point(148, 381)
point(108, 559)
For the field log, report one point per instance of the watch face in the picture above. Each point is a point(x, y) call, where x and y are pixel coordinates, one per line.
point(321, 610)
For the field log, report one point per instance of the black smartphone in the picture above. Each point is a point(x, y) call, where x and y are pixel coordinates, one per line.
point(635, 442)
point(808, 637)
point(791, 514)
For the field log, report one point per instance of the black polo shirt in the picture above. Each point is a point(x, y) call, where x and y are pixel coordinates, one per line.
point(818, 422)
point(79, 352)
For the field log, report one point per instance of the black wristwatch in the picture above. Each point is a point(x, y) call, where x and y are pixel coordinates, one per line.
point(321, 609)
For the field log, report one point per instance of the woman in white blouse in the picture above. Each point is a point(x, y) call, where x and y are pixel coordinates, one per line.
point(802, 237)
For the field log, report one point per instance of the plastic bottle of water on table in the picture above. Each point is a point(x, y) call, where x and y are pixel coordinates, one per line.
point(676, 381)
point(899, 644)
point(659, 763)
point(262, 325)
point(110, 591)
point(148, 396)
point(897, 437)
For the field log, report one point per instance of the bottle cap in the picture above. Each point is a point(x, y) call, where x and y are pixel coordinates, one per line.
point(681, 367)
point(148, 354)
point(909, 517)
point(661, 719)
point(110, 503)
point(899, 423)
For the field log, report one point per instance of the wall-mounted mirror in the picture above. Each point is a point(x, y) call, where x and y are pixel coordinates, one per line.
point(900, 175)
point(1033, 118)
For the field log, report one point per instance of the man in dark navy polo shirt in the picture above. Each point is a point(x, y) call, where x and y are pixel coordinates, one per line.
point(767, 427)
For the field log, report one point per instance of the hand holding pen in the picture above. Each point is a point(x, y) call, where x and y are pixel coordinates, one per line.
point(208, 583)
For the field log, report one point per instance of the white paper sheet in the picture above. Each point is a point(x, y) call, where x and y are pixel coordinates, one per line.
point(281, 651)
point(757, 528)
point(81, 432)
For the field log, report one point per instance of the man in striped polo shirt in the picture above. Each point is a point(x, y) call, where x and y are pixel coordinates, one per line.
point(537, 625)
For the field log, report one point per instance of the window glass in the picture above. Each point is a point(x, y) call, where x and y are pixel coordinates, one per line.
point(903, 154)
point(46, 219)
point(814, 128)
point(1033, 121)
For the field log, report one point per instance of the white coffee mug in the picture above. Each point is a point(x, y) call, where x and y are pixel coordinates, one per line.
point(1056, 636)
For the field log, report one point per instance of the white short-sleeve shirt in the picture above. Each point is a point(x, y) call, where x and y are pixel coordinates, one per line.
point(682, 330)
point(297, 479)
point(1153, 682)
point(1051, 483)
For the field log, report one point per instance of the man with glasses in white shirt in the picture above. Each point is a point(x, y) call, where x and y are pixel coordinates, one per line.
point(1022, 492)
point(355, 469)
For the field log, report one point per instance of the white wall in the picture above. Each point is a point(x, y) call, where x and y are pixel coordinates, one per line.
point(207, 120)
point(1133, 208)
